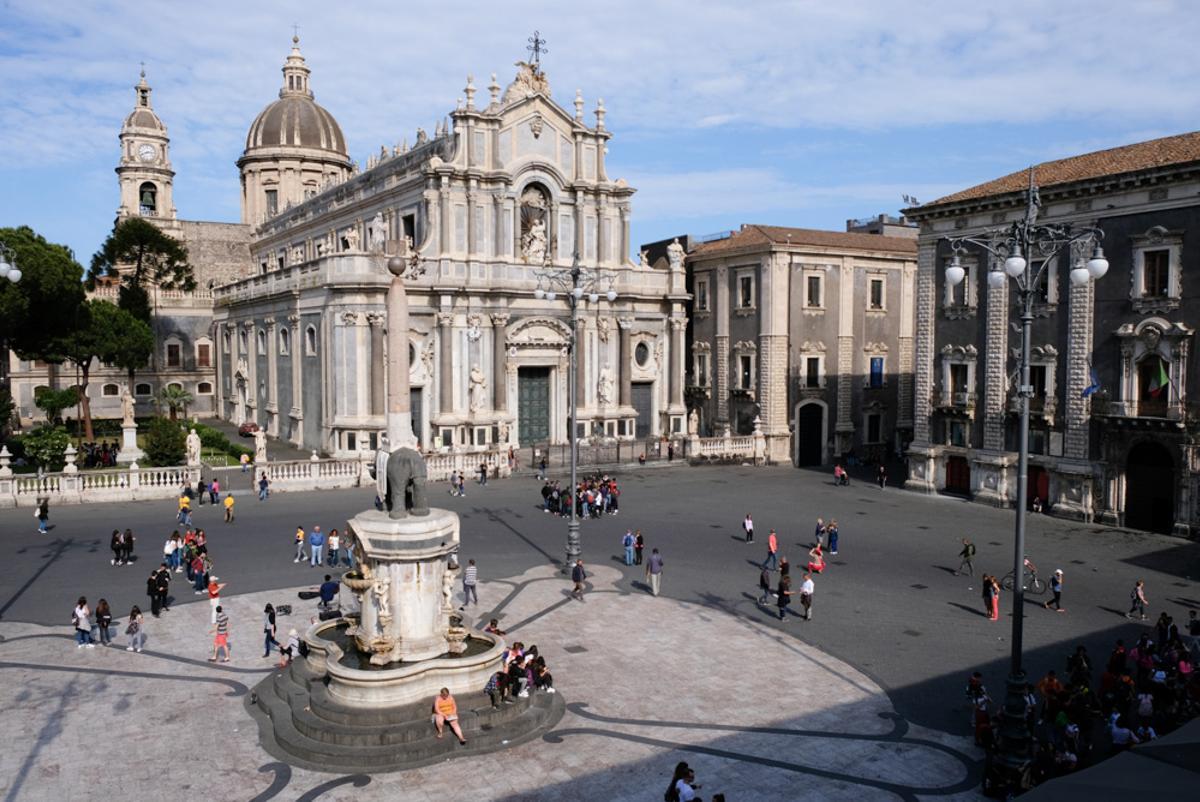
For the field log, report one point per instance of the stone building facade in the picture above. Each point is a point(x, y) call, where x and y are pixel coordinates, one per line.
point(810, 332)
point(1114, 437)
point(510, 186)
point(185, 353)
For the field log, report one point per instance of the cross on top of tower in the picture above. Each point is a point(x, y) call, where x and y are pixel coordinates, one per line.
point(537, 48)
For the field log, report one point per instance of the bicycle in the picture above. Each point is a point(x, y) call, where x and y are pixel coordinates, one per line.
point(1034, 584)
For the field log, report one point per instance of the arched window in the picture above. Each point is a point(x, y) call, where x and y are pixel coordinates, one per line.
point(243, 342)
point(143, 388)
point(310, 341)
point(285, 341)
point(225, 342)
point(175, 386)
point(204, 388)
point(261, 341)
point(148, 199)
point(110, 390)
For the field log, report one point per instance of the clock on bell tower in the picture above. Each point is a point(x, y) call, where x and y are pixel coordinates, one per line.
point(144, 170)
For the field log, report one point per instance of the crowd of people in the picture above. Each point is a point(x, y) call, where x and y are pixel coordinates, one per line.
point(825, 536)
point(1143, 690)
point(594, 496)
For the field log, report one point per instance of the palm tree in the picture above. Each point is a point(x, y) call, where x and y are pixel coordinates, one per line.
point(174, 398)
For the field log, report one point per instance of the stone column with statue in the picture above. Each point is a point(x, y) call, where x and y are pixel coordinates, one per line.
point(129, 452)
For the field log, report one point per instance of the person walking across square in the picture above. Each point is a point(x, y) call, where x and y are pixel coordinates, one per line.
point(228, 507)
point(968, 558)
point(654, 570)
point(806, 596)
point(578, 576)
point(1137, 598)
point(772, 551)
point(1056, 585)
point(748, 528)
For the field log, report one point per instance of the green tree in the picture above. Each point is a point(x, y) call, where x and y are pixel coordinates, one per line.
point(40, 311)
point(100, 337)
point(175, 399)
point(141, 255)
point(53, 402)
point(45, 446)
point(166, 444)
point(132, 344)
point(7, 408)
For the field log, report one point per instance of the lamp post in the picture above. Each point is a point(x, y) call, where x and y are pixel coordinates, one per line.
point(10, 271)
point(1022, 252)
point(575, 282)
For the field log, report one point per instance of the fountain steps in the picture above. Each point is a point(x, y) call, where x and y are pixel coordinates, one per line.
point(301, 725)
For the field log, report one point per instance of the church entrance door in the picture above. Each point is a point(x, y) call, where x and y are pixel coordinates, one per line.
point(1150, 488)
point(533, 405)
point(810, 432)
point(642, 396)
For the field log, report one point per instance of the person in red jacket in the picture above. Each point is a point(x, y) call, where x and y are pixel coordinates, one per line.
point(772, 552)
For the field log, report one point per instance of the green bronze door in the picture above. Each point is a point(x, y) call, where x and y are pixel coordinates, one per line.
point(533, 405)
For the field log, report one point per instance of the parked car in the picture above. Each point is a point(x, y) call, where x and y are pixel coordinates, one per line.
point(247, 429)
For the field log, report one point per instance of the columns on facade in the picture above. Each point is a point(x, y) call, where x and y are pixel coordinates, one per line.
point(720, 296)
point(995, 366)
point(922, 474)
point(678, 324)
point(845, 358)
point(379, 356)
point(297, 410)
point(625, 352)
point(904, 356)
point(1081, 304)
point(445, 322)
point(272, 368)
point(251, 366)
point(499, 363)
point(581, 383)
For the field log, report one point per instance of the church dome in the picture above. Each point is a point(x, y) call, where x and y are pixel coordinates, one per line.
point(295, 120)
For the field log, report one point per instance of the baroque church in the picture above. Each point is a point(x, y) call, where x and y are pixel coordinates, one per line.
point(286, 326)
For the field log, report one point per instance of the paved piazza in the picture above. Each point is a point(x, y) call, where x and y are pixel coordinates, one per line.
point(863, 702)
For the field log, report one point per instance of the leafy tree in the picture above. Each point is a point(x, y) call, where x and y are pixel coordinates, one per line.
point(100, 336)
point(141, 254)
point(132, 344)
point(166, 443)
point(175, 399)
point(45, 446)
point(7, 407)
point(40, 311)
point(53, 402)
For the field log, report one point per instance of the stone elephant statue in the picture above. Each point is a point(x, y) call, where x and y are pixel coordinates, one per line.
point(406, 484)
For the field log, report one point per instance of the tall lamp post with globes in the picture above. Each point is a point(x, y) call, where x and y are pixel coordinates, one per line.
point(10, 271)
point(1024, 250)
point(576, 283)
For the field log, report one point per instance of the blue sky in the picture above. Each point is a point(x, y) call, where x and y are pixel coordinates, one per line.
point(790, 113)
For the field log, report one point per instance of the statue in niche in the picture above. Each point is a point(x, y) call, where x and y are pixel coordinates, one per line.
point(378, 229)
point(675, 254)
point(534, 206)
point(352, 238)
point(604, 388)
point(478, 389)
point(693, 423)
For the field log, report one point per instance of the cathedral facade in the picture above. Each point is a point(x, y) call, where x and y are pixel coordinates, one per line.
point(509, 190)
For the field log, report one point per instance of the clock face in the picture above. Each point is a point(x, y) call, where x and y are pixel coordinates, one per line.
point(147, 153)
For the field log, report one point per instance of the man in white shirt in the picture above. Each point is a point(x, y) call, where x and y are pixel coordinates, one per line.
point(748, 525)
point(806, 596)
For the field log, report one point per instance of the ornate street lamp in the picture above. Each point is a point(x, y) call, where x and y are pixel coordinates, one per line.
point(574, 283)
point(1014, 247)
point(8, 263)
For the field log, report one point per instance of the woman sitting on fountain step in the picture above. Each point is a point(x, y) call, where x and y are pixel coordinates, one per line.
point(445, 711)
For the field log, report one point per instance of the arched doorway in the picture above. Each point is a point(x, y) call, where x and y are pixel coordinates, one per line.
point(810, 434)
point(1150, 488)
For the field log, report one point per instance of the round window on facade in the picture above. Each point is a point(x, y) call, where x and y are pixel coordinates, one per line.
point(641, 354)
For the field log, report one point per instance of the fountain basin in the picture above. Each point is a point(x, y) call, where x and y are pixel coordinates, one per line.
point(330, 650)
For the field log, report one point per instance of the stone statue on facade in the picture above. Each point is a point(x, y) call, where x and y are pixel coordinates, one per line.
point(127, 409)
point(693, 423)
point(533, 248)
point(604, 387)
point(352, 238)
point(378, 230)
point(675, 254)
point(193, 448)
point(260, 446)
point(380, 588)
point(644, 258)
point(530, 80)
point(479, 400)
point(422, 137)
point(448, 585)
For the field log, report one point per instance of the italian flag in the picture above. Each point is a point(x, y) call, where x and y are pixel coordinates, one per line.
point(1160, 380)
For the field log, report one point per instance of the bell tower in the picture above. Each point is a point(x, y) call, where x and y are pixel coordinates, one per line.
point(144, 170)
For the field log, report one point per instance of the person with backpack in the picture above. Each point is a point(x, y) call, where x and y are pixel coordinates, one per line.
point(628, 543)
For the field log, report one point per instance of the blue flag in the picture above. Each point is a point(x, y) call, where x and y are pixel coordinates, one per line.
point(1094, 386)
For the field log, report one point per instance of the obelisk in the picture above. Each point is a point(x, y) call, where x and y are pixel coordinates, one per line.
point(399, 405)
